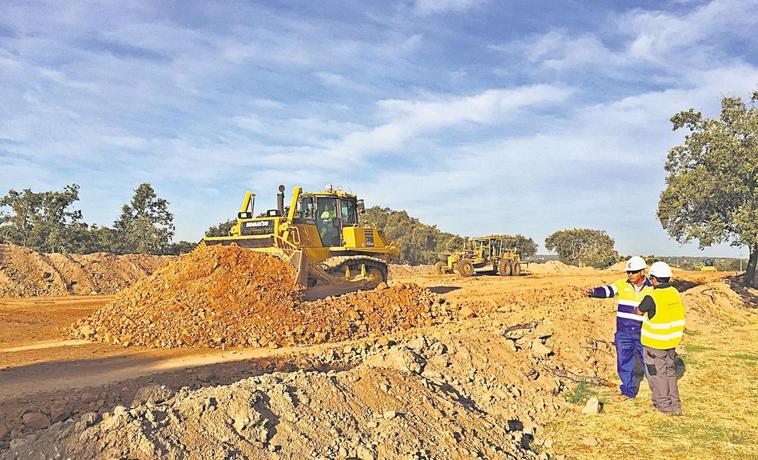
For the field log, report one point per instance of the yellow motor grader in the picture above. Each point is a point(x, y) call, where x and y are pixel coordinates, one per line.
point(486, 253)
point(320, 236)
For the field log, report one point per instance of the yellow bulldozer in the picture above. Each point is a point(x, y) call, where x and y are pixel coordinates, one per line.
point(320, 236)
point(486, 253)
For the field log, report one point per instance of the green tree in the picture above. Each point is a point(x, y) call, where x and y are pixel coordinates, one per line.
point(43, 221)
point(145, 225)
point(583, 246)
point(710, 193)
point(419, 243)
point(222, 229)
point(525, 247)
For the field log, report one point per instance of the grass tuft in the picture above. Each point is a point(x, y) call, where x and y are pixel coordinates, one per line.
point(691, 347)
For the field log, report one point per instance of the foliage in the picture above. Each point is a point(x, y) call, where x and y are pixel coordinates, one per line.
point(43, 221)
point(145, 225)
point(583, 246)
point(710, 193)
point(181, 247)
point(222, 229)
point(525, 247)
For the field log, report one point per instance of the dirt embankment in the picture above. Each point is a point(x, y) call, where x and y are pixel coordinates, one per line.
point(218, 297)
point(25, 273)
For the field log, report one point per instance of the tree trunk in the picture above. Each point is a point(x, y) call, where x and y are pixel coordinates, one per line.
point(751, 265)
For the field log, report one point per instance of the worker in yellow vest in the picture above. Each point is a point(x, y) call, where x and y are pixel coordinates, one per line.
point(662, 331)
point(630, 291)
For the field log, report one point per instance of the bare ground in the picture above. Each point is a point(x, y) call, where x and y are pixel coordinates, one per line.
point(463, 388)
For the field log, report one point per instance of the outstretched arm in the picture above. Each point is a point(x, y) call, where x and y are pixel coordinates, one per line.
point(602, 292)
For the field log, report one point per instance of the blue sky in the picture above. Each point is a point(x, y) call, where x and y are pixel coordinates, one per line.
point(478, 116)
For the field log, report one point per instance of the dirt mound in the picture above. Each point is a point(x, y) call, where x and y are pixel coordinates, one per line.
point(556, 267)
point(230, 297)
point(417, 399)
point(25, 273)
point(617, 267)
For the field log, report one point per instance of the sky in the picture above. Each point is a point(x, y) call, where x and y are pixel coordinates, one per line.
point(478, 116)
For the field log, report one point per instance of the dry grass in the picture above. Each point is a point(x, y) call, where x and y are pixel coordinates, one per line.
point(719, 392)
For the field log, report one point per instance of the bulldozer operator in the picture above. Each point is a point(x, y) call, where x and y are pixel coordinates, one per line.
point(328, 224)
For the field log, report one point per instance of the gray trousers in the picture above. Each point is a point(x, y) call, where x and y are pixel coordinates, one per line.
point(661, 376)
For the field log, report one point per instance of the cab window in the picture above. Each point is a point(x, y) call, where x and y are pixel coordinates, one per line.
point(307, 208)
point(348, 212)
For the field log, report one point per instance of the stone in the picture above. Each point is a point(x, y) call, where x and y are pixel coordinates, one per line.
point(90, 418)
point(418, 344)
point(206, 375)
point(381, 286)
point(365, 453)
point(593, 406)
point(59, 411)
point(540, 350)
point(467, 313)
point(4, 431)
point(390, 414)
point(590, 441)
point(398, 358)
point(35, 420)
point(86, 331)
point(152, 393)
point(385, 341)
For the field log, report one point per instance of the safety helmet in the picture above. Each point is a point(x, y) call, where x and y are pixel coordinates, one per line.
point(660, 270)
point(635, 264)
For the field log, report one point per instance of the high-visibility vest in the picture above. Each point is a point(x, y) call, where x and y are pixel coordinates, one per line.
point(629, 299)
point(666, 328)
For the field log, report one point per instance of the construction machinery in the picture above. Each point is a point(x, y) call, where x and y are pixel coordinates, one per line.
point(707, 266)
point(486, 253)
point(320, 236)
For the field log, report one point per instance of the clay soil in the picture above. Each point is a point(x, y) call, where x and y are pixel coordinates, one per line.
point(490, 367)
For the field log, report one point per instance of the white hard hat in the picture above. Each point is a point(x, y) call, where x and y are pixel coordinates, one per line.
point(660, 270)
point(635, 263)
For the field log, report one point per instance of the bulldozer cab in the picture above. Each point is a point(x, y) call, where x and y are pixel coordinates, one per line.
point(331, 214)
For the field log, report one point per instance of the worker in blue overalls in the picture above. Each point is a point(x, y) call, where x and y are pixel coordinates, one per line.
point(630, 292)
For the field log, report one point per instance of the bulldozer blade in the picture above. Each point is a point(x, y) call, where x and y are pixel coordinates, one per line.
point(299, 260)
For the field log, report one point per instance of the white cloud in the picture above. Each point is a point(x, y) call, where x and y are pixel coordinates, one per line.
point(426, 7)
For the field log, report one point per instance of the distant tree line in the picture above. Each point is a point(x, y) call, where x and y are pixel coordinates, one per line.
point(426, 244)
point(49, 222)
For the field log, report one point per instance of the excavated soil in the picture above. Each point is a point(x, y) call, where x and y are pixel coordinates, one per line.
point(25, 273)
point(218, 297)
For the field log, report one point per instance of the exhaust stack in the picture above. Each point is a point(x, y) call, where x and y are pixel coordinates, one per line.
point(280, 200)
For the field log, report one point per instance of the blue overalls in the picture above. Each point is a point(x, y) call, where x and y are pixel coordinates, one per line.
point(628, 326)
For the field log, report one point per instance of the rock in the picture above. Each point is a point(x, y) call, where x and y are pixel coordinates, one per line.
point(399, 358)
point(385, 341)
point(540, 350)
point(89, 419)
point(390, 414)
point(467, 313)
point(4, 431)
point(381, 286)
point(36, 420)
point(86, 331)
point(437, 349)
point(88, 397)
point(153, 393)
point(364, 453)
point(511, 345)
point(206, 375)
point(590, 441)
point(119, 410)
point(515, 334)
point(593, 406)
point(59, 411)
point(418, 344)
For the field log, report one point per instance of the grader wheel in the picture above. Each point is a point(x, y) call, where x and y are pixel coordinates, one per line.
point(440, 267)
point(505, 268)
point(465, 268)
point(516, 268)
